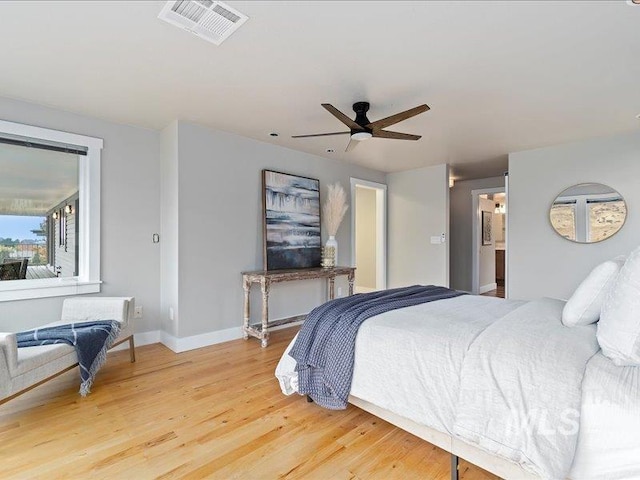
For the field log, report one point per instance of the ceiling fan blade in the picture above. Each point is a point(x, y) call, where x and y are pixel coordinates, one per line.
point(395, 135)
point(398, 117)
point(341, 116)
point(351, 145)
point(320, 134)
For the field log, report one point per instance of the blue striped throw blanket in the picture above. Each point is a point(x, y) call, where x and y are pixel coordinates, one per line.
point(325, 347)
point(90, 339)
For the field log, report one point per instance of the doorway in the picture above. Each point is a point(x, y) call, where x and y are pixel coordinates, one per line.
point(369, 234)
point(489, 242)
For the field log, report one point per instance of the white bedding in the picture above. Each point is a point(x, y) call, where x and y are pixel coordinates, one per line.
point(390, 349)
point(522, 388)
point(435, 334)
point(609, 438)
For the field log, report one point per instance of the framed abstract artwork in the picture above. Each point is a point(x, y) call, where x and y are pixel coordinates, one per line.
point(487, 218)
point(291, 221)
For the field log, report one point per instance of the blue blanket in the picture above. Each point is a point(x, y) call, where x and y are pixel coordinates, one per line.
point(90, 339)
point(325, 347)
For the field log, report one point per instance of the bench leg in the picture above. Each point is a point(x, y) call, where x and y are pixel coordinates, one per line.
point(454, 467)
point(132, 349)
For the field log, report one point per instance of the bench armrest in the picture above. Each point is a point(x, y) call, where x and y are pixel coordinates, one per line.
point(8, 355)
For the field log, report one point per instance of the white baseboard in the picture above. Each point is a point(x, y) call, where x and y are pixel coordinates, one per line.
point(487, 288)
point(140, 339)
point(198, 341)
point(195, 341)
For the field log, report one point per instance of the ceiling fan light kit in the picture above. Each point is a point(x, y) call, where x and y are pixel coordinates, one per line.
point(361, 136)
point(361, 128)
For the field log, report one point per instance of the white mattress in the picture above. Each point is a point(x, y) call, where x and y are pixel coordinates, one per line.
point(431, 338)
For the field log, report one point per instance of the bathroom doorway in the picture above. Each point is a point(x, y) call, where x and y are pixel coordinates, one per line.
point(369, 233)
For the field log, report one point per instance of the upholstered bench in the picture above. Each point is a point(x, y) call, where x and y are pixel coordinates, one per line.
point(22, 369)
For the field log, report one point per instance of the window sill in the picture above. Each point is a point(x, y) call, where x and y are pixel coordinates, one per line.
point(11, 290)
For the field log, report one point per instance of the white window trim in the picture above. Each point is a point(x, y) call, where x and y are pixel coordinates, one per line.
point(88, 279)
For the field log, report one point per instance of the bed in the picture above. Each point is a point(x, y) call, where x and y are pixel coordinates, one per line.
point(501, 383)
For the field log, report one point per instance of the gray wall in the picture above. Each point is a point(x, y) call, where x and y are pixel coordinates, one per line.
point(201, 190)
point(170, 227)
point(461, 219)
point(129, 208)
point(418, 209)
point(220, 225)
point(540, 262)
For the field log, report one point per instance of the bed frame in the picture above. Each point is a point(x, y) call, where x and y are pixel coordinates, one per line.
point(458, 448)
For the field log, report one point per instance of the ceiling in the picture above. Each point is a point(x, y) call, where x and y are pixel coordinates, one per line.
point(499, 76)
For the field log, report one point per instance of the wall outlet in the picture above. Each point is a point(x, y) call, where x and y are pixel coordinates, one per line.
point(137, 312)
point(171, 314)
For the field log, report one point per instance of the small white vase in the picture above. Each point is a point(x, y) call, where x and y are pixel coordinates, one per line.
point(331, 242)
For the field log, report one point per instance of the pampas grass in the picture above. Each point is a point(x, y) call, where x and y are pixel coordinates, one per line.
point(334, 208)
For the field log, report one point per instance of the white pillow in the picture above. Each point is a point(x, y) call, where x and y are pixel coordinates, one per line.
point(583, 308)
point(619, 326)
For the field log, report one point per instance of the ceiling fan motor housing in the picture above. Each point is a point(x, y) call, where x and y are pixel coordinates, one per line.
point(361, 109)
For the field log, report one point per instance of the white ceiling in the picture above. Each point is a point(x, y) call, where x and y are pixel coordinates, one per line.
point(499, 76)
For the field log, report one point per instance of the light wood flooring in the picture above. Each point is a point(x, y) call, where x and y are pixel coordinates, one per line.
point(215, 412)
point(498, 292)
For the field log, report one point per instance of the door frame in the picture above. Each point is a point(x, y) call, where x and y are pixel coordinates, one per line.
point(381, 227)
point(475, 232)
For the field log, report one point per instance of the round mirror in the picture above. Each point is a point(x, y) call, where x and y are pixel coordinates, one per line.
point(588, 213)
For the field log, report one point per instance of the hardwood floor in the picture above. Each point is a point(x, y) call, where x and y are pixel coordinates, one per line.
point(215, 412)
point(498, 292)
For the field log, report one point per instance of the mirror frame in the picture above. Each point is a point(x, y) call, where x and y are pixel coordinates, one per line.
point(579, 185)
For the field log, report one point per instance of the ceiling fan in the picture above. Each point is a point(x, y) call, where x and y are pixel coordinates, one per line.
point(363, 129)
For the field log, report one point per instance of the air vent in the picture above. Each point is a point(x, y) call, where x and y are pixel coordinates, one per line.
point(210, 20)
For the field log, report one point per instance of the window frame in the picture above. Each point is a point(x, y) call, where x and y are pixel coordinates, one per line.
point(88, 278)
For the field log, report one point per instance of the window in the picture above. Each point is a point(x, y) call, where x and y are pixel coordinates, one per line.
point(563, 218)
point(49, 212)
point(588, 213)
point(606, 217)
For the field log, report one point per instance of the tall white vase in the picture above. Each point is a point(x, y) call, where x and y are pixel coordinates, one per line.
point(331, 242)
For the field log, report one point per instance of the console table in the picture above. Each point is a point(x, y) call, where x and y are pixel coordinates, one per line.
point(266, 277)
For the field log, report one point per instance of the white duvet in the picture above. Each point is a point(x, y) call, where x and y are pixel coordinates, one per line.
point(409, 361)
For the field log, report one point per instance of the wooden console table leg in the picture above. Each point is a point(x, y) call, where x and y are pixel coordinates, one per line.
point(330, 285)
point(246, 285)
point(351, 277)
point(264, 285)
